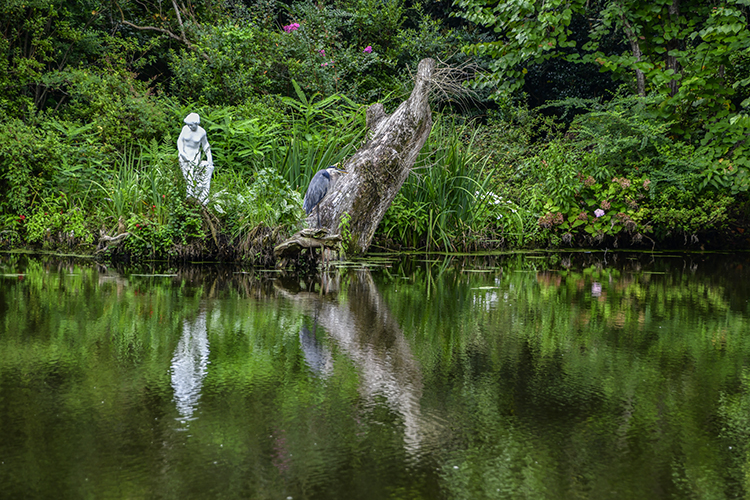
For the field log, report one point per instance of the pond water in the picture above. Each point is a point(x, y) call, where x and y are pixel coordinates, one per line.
point(583, 375)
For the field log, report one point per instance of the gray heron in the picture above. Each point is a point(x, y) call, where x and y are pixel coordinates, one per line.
point(321, 181)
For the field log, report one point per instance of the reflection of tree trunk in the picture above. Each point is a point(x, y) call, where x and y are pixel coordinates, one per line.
point(190, 365)
point(365, 330)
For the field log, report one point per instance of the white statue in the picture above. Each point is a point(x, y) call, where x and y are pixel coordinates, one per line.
point(197, 173)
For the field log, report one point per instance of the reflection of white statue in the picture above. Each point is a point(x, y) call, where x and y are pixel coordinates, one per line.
point(190, 365)
point(197, 173)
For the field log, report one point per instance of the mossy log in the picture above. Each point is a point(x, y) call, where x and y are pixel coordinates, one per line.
point(307, 238)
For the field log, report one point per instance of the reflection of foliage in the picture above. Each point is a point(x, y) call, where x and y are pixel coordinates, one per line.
point(543, 376)
point(734, 410)
point(565, 370)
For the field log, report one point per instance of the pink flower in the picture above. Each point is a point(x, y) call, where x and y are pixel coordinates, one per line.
point(598, 212)
point(291, 27)
point(322, 52)
point(368, 49)
point(323, 65)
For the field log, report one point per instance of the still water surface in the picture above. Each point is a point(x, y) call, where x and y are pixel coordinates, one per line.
point(524, 376)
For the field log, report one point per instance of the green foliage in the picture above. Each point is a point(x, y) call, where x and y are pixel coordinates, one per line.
point(309, 146)
point(625, 134)
point(239, 144)
point(147, 237)
point(56, 221)
point(680, 55)
point(147, 183)
point(290, 136)
point(326, 54)
point(145, 196)
point(29, 156)
point(267, 201)
point(527, 32)
point(233, 62)
point(28, 44)
point(235, 59)
point(120, 106)
point(345, 232)
point(685, 212)
point(448, 196)
point(553, 174)
point(618, 136)
point(91, 106)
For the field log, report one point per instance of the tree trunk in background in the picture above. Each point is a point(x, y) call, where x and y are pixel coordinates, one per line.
point(672, 46)
point(377, 171)
point(640, 77)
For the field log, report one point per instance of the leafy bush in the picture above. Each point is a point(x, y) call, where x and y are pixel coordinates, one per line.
point(267, 201)
point(333, 50)
point(233, 63)
point(56, 221)
point(29, 158)
point(239, 143)
point(121, 107)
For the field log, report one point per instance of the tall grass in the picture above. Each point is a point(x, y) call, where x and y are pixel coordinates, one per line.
point(120, 190)
point(297, 157)
point(448, 197)
point(144, 182)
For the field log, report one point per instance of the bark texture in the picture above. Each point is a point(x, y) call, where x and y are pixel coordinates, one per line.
point(377, 171)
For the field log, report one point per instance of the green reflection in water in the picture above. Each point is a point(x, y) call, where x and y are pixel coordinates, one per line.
point(570, 376)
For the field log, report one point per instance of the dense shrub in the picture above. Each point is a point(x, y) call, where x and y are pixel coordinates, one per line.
point(92, 105)
point(29, 159)
point(233, 63)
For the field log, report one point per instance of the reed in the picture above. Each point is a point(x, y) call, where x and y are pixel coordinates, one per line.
point(442, 200)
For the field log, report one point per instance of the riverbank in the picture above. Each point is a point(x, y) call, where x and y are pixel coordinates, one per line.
point(256, 248)
point(516, 181)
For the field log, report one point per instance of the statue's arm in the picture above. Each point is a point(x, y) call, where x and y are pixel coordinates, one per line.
point(207, 150)
point(181, 145)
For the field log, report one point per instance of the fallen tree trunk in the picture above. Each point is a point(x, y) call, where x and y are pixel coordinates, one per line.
point(307, 238)
point(378, 169)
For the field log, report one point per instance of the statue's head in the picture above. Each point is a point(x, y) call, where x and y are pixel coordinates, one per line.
point(192, 121)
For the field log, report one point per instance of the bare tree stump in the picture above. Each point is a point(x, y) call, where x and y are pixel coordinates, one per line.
point(378, 170)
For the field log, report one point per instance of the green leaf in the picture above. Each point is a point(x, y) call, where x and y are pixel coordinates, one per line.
point(299, 92)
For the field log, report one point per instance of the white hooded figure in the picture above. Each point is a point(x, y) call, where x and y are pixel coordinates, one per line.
point(197, 173)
